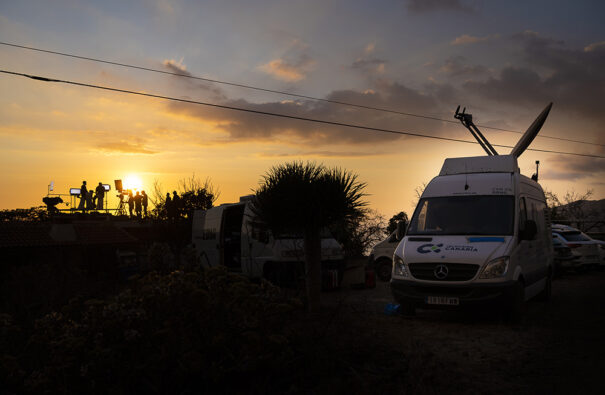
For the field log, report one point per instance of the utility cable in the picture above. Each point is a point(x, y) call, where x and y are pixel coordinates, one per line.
point(321, 121)
point(274, 91)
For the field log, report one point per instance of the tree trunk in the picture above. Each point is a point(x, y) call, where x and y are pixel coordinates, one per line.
point(313, 268)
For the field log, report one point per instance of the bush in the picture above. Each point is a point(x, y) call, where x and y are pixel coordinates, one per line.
point(167, 333)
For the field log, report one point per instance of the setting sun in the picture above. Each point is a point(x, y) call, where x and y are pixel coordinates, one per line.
point(133, 182)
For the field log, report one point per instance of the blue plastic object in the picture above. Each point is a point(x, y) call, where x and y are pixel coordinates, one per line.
point(391, 309)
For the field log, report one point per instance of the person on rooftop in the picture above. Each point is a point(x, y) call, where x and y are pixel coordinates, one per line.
point(137, 204)
point(83, 196)
point(100, 193)
point(145, 202)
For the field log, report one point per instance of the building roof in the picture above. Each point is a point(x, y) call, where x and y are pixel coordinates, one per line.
point(25, 234)
point(33, 234)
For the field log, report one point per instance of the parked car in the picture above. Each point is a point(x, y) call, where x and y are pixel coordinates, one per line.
point(381, 257)
point(564, 258)
point(589, 250)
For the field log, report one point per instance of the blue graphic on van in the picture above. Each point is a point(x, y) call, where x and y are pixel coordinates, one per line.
point(485, 239)
point(426, 248)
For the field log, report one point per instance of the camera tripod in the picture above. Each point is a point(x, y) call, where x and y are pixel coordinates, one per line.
point(121, 210)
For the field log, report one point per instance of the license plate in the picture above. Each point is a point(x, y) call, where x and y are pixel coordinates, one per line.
point(443, 300)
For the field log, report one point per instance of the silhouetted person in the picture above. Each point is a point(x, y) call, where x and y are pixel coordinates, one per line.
point(169, 207)
point(100, 191)
point(176, 202)
point(137, 204)
point(83, 197)
point(130, 202)
point(145, 202)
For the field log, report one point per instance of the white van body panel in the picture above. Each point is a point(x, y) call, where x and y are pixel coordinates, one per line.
point(529, 261)
point(213, 238)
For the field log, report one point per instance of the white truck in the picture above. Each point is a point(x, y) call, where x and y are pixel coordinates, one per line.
point(480, 234)
point(226, 235)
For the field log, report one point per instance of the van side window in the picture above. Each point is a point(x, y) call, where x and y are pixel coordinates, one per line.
point(260, 235)
point(539, 211)
point(547, 218)
point(522, 214)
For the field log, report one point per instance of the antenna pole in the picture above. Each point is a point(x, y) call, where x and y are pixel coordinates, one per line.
point(535, 176)
point(467, 121)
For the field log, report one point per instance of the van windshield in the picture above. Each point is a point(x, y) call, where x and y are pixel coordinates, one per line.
point(464, 215)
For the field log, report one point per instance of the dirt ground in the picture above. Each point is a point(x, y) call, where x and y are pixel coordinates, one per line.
point(557, 348)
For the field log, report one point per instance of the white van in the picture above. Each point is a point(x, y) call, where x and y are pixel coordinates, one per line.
point(225, 235)
point(381, 256)
point(480, 233)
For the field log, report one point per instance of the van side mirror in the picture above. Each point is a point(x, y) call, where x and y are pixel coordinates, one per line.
point(530, 231)
point(400, 229)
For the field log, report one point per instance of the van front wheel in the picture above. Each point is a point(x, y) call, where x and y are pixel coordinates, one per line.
point(516, 307)
point(407, 309)
point(383, 269)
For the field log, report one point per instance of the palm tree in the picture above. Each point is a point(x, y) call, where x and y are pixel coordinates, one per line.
point(303, 199)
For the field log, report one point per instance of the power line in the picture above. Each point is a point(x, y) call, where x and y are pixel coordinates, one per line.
point(275, 91)
point(321, 121)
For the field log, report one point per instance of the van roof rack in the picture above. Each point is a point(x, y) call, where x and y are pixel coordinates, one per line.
point(480, 164)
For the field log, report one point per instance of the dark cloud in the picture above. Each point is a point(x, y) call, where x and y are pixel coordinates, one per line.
point(369, 65)
point(457, 66)
point(468, 39)
point(294, 64)
point(125, 147)
point(514, 85)
point(572, 78)
point(242, 126)
point(437, 5)
point(575, 168)
point(192, 83)
point(324, 154)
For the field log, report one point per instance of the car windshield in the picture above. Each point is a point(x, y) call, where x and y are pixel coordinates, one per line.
point(574, 236)
point(464, 215)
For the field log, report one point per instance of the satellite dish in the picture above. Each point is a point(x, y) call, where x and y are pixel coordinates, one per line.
point(531, 133)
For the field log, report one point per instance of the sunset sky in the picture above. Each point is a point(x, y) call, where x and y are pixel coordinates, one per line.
point(504, 61)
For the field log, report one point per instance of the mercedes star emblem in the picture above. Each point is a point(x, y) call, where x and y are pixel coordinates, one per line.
point(440, 272)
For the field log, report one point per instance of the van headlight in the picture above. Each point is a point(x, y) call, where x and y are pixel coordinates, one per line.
point(399, 268)
point(495, 268)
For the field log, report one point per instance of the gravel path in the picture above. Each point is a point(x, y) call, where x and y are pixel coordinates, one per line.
point(558, 348)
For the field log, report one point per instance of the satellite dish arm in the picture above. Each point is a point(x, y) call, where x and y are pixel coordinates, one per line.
point(467, 121)
point(489, 146)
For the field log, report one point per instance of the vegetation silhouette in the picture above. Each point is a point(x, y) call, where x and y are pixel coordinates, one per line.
point(194, 194)
point(400, 216)
point(302, 199)
point(360, 234)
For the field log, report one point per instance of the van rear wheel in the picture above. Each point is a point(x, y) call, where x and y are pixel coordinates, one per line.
point(546, 293)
